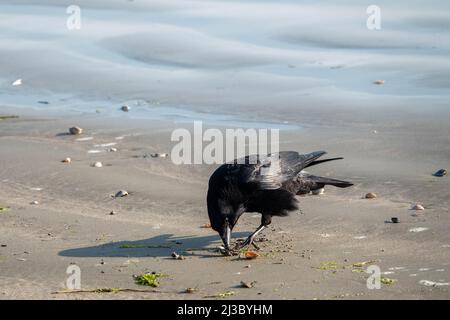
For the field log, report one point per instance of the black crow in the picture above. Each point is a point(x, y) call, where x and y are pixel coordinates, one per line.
point(264, 184)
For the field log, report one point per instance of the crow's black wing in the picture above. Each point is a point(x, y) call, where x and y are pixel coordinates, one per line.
point(269, 172)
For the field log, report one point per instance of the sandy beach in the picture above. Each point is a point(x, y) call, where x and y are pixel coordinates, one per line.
point(228, 65)
point(166, 210)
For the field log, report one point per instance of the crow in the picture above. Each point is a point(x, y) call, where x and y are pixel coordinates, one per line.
point(264, 184)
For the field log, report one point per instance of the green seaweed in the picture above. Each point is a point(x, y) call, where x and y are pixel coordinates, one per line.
point(3, 209)
point(387, 281)
point(8, 117)
point(328, 266)
point(149, 279)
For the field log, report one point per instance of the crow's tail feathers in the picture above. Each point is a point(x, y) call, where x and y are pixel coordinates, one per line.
point(321, 161)
point(320, 182)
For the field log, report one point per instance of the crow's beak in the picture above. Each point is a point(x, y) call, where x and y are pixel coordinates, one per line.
point(226, 237)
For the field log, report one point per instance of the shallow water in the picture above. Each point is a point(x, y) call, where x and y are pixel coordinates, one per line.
point(225, 61)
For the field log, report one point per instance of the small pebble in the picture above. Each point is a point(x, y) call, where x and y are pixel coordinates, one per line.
point(121, 193)
point(113, 150)
point(245, 284)
point(394, 220)
point(34, 202)
point(67, 160)
point(97, 164)
point(378, 82)
point(159, 155)
point(177, 256)
point(417, 207)
point(190, 290)
point(370, 195)
point(440, 173)
point(112, 213)
point(76, 130)
point(125, 108)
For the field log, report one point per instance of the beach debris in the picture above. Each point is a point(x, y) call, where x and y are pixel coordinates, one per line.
point(34, 202)
point(190, 290)
point(222, 295)
point(66, 160)
point(418, 229)
point(359, 237)
point(245, 284)
point(249, 255)
point(440, 173)
point(417, 207)
point(75, 130)
point(429, 283)
point(370, 195)
point(177, 256)
point(43, 102)
point(394, 220)
point(362, 264)
point(206, 226)
point(98, 164)
point(3, 209)
point(379, 82)
point(387, 281)
point(121, 193)
point(159, 155)
point(125, 108)
point(3, 245)
point(18, 82)
point(112, 213)
point(328, 266)
point(149, 279)
point(318, 191)
point(8, 117)
point(94, 151)
point(112, 149)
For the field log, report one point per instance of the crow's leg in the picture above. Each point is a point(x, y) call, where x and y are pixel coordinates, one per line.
point(265, 221)
point(251, 237)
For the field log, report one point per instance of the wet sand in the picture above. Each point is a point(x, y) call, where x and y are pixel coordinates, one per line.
point(166, 208)
point(266, 64)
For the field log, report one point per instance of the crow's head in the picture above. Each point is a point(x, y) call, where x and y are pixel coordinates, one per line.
point(223, 216)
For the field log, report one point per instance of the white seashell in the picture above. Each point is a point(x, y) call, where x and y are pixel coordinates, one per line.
point(113, 150)
point(417, 207)
point(97, 164)
point(318, 191)
point(121, 193)
point(67, 160)
point(75, 130)
point(34, 202)
point(18, 82)
point(419, 229)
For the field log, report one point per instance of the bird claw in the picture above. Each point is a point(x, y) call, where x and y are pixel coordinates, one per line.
point(227, 251)
point(249, 241)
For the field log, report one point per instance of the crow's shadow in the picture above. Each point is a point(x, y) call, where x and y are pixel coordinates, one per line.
point(158, 246)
